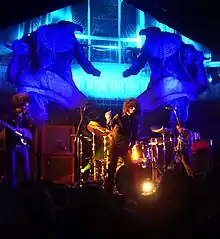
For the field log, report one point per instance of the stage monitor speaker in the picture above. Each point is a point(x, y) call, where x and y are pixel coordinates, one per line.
point(57, 168)
point(57, 140)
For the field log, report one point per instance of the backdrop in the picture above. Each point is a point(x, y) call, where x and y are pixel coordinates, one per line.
point(110, 40)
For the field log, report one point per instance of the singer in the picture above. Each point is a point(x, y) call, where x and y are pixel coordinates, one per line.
point(124, 136)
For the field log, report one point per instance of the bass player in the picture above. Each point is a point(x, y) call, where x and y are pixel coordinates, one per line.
point(18, 137)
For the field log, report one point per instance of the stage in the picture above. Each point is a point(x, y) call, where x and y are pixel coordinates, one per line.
point(108, 126)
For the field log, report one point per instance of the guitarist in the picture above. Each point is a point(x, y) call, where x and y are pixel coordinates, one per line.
point(124, 136)
point(183, 149)
point(17, 150)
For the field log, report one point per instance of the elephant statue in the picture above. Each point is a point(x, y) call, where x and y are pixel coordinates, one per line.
point(177, 72)
point(41, 66)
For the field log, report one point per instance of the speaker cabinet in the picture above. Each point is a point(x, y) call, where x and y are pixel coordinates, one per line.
point(57, 168)
point(202, 157)
point(57, 140)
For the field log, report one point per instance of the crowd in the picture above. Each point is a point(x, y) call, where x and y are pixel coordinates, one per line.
point(181, 208)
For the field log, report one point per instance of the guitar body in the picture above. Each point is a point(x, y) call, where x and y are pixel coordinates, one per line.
point(24, 142)
point(26, 136)
point(23, 134)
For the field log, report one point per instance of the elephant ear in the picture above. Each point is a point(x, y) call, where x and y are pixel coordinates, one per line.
point(171, 43)
point(58, 37)
point(150, 30)
point(73, 27)
point(161, 44)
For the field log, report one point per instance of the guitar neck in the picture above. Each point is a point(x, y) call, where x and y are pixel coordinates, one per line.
point(8, 125)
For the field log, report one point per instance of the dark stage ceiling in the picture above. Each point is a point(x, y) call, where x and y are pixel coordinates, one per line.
point(197, 20)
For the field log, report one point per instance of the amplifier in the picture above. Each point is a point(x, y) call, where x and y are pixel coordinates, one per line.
point(201, 144)
point(58, 168)
point(57, 140)
point(202, 156)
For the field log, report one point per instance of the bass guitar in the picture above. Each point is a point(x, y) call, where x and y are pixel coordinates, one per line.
point(24, 134)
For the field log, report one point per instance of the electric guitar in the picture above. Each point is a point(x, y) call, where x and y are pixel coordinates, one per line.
point(24, 134)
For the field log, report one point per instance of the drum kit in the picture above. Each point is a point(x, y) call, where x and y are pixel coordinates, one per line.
point(150, 157)
point(98, 168)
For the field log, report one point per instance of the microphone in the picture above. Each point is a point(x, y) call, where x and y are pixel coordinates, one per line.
point(170, 107)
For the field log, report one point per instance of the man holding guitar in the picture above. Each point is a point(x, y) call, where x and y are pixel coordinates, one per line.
point(124, 132)
point(18, 138)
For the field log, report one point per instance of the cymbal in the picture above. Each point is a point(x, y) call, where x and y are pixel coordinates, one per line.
point(152, 143)
point(97, 129)
point(82, 137)
point(161, 130)
point(159, 141)
point(85, 138)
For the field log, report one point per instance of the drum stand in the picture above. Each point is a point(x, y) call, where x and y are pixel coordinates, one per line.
point(99, 171)
point(153, 160)
point(91, 164)
point(93, 169)
point(177, 155)
point(164, 153)
point(105, 162)
point(80, 155)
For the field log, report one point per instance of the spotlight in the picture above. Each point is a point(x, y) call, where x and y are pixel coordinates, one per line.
point(148, 188)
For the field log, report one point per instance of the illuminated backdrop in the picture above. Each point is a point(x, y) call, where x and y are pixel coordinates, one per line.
point(110, 40)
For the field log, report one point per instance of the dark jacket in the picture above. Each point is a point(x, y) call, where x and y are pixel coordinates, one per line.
point(125, 130)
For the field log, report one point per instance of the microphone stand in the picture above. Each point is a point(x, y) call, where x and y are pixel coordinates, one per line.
point(179, 143)
point(177, 118)
point(79, 149)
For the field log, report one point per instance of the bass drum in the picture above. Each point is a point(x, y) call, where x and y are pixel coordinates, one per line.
point(129, 179)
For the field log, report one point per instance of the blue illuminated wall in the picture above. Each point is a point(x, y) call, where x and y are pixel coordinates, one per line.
point(110, 40)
